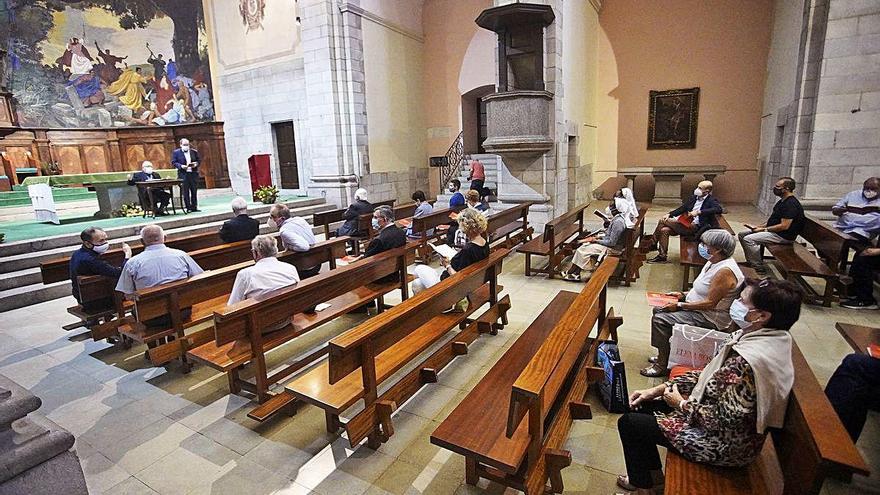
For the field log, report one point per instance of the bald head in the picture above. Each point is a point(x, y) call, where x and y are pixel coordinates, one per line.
point(152, 235)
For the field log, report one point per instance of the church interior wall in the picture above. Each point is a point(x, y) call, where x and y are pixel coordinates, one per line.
point(260, 78)
point(720, 47)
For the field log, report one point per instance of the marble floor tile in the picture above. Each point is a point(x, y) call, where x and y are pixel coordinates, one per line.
point(131, 486)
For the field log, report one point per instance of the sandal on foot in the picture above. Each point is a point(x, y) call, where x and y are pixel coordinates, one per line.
point(623, 482)
point(654, 371)
point(653, 359)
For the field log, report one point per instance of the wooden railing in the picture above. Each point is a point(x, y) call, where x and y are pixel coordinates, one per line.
point(453, 161)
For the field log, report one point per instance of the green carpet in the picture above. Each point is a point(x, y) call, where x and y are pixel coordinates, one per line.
point(20, 230)
point(60, 194)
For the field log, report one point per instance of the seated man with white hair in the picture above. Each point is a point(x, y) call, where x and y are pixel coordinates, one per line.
point(240, 227)
point(157, 264)
point(267, 274)
point(161, 197)
point(699, 213)
point(706, 305)
point(360, 207)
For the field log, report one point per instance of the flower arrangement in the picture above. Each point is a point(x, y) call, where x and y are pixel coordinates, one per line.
point(266, 194)
point(2, 237)
point(129, 210)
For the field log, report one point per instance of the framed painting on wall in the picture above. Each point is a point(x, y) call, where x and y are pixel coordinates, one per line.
point(672, 119)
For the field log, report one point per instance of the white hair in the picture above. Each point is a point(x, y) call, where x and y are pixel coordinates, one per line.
point(361, 194)
point(147, 163)
point(184, 140)
point(239, 205)
point(152, 234)
point(265, 246)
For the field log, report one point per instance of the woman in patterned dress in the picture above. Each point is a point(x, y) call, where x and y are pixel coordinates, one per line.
point(718, 415)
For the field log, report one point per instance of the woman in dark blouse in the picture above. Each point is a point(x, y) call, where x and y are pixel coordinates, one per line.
point(474, 225)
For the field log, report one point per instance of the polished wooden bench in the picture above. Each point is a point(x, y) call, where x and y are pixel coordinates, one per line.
point(369, 354)
point(242, 334)
point(831, 245)
point(437, 222)
point(557, 233)
point(511, 426)
point(58, 269)
point(811, 446)
point(93, 288)
point(509, 227)
point(691, 261)
point(859, 337)
point(631, 257)
point(203, 293)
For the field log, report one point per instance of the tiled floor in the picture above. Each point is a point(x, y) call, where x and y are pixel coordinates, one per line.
point(143, 430)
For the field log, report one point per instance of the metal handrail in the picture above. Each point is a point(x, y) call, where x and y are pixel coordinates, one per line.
point(453, 160)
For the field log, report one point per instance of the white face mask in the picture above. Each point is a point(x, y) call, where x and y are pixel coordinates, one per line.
point(375, 223)
point(148, 170)
point(869, 194)
point(698, 192)
point(184, 147)
point(738, 313)
point(271, 223)
point(101, 248)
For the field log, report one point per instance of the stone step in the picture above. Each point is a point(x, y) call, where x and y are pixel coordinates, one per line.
point(179, 223)
point(33, 259)
point(19, 278)
point(27, 295)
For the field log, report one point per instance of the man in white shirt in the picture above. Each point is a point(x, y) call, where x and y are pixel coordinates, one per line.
point(267, 274)
point(296, 235)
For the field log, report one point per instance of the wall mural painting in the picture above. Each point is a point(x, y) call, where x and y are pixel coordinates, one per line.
point(672, 119)
point(105, 63)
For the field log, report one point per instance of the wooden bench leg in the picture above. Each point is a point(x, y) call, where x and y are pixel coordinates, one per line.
point(556, 460)
point(470, 471)
point(384, 408)
point(829, 292)
point(528, 264)
point(686, 277)
point(331, 421)
point(232, 377)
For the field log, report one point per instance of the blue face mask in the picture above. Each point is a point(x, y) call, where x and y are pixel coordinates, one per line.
point(738, 313)
point(375, 223)
point(704, 251)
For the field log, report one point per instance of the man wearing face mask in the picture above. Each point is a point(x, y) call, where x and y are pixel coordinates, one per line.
point(161, 197)
point(858, 213)
point(786, 222)
point(186, 161)
point(296, 235)
point(706, 305)
point(701, 210)
point(592, 249)
point(87, 261)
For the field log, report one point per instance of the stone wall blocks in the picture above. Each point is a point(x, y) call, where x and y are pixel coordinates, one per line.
point(850, 84)
point(839, 157)
point(856, 64)
point(842, 28)
point(837, 103)
point(840, 9)
point(869, 24)
point(840, 121)
point(859, 138)
point(822, 140)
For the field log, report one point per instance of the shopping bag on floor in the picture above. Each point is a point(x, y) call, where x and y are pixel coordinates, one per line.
point(612, 390)
point(694, 346)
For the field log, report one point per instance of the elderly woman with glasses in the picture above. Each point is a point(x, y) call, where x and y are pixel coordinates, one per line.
point(718, 415)
point(705, 305)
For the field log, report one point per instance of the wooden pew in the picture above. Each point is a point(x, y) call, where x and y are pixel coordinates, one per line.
point(543, 377)
point(811, 446)
point(368, 355)
point(204, 293)
point(689, 257)
point(209, 258)
point(327, 218)
point(58, 269)
point(557, 233)
point(401, 212)
point(859, 337)
point(438, 221)
point(631, 257)
point(243, 333)
point(831, 245)
point(509, 227)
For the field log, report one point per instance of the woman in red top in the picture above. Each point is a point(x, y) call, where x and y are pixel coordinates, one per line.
point(478, 177)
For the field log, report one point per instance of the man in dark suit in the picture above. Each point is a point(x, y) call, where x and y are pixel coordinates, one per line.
point(186, 160)
point(699, 214)
point(240, 227)
point(161, 197)
point(390, 237)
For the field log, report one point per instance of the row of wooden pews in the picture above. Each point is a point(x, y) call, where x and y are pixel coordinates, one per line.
point(510, 428)
point(690, 260)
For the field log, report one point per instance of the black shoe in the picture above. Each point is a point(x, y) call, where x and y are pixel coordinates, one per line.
point(856, 304)
point(194, 210)
point(658, 259)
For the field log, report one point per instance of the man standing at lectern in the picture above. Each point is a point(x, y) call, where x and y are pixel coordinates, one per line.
point(186, 161)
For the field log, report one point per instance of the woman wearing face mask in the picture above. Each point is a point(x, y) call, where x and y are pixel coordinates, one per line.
point(706, 304)
point(592, 249)
point(718, 415)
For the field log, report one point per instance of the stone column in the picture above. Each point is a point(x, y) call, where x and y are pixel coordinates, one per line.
point(335, 99)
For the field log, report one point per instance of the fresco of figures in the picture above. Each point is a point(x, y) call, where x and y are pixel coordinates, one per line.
point(106, 63)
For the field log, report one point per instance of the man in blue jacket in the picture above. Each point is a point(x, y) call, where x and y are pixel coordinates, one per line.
point(699, 213)
point(186, 160)
point(161, 197)
point(87, 261)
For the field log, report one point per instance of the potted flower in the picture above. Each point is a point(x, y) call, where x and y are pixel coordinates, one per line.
point(267, 194)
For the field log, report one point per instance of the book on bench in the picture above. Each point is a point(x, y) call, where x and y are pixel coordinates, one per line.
point(347, 260)
point(602, 215)
point(405, 223)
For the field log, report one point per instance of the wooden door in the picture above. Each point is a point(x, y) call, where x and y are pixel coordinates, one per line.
point(286, 147)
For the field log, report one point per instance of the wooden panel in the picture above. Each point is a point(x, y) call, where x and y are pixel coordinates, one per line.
point(69, 159)
point(134, 154)
point(18, 156)
point(157, 153)
point(96, 158)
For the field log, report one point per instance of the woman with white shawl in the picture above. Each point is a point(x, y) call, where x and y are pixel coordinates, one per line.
point(718, 415)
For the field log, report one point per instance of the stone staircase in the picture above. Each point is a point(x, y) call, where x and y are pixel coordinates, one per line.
point(20, 281)
point(491, 163)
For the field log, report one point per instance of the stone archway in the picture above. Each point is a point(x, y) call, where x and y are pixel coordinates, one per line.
point(471, 125)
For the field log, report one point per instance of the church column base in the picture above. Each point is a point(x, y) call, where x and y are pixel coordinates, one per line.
point(336, 189)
